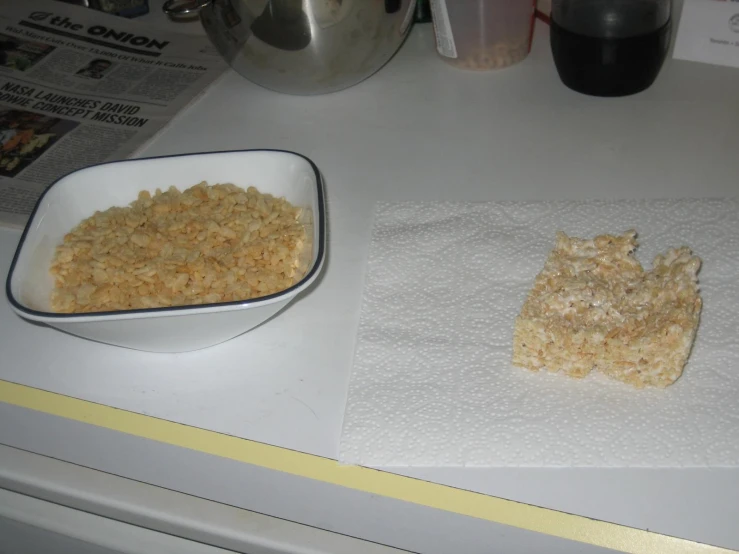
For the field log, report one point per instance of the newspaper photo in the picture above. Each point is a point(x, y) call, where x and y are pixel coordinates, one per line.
point(80, 87)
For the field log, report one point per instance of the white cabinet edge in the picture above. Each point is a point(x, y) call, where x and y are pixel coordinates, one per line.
point(166, 511)
point(103, 533)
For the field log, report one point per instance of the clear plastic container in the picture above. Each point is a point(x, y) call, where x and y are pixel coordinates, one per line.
point(483, 34)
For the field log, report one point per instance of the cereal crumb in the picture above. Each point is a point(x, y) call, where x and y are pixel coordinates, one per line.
point(594, 307)
point(494, 56)
point(207, 244)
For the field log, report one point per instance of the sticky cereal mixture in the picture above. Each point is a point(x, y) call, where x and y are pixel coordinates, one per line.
point(207, 244)
point(594, 307)
point(495, 56)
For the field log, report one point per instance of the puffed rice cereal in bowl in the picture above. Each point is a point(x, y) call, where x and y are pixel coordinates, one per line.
point(204, 245)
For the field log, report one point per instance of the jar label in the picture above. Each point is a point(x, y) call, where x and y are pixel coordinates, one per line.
point(443, 30)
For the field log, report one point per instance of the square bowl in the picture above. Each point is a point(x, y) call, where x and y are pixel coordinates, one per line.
point(170, 329)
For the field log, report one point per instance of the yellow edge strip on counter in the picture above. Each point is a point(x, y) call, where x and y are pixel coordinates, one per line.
point(433, 495)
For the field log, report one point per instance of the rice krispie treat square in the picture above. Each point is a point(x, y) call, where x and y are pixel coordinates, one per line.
point(594, 307)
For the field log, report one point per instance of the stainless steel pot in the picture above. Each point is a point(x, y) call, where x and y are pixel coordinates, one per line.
point(302, 46)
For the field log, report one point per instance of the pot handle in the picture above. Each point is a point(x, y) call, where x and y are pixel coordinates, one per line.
point(178, 9)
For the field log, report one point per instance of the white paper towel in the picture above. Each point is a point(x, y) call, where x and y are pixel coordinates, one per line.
point(432, 383)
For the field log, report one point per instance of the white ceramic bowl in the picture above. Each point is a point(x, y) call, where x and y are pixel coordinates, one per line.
point(179, 329)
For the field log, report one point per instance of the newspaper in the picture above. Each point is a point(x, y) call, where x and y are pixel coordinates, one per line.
point(80, 87)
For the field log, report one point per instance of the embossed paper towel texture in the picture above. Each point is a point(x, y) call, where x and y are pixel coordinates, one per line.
point(432, 383)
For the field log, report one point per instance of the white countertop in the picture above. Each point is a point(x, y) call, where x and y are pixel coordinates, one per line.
point(419, 130)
